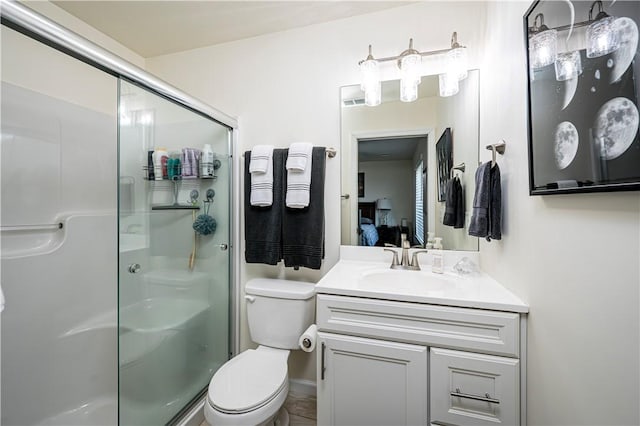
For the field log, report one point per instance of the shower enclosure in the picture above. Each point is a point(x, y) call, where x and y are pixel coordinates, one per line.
point(117, 310)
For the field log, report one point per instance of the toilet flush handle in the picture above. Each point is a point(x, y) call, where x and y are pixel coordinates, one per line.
point(250, 299)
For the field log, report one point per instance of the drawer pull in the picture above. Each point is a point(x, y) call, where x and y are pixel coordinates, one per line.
point(486, 397)
point(322, 367)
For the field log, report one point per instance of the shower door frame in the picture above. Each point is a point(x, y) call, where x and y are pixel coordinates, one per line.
point(34, 25)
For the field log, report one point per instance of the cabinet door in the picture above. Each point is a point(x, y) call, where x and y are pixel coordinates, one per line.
point(370, 382)
point(473, 389)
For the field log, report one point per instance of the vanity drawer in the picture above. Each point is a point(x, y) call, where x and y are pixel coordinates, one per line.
point(473, 389)
point(461, 328)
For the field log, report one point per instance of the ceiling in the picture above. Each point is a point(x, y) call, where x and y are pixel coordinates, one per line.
point(153, 28)
point(388, 149)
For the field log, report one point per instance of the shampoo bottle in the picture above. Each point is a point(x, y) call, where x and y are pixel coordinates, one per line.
point(159, 163)
point(437, 264)
point(206, 162)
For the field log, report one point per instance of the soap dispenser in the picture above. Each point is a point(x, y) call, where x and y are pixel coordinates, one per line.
point(437, 263)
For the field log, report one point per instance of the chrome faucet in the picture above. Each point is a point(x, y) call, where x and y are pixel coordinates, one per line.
point(404, 263)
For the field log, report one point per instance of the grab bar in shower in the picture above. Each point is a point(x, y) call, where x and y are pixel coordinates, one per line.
point(45, 227)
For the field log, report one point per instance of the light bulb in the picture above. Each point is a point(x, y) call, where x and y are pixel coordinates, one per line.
point(448, 84)
point(568, 65)
point(543, 48)
point(457, 62)
point(602, 37)
point(371, 82)
point(408, 90)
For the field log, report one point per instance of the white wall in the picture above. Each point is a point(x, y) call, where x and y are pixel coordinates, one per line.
point(573, 258)
point(461, 114)
point(284, 87)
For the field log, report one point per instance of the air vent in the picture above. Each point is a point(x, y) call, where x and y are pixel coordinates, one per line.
point(352, 102)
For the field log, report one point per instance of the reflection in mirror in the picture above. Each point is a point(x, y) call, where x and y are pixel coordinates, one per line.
point(390, 166)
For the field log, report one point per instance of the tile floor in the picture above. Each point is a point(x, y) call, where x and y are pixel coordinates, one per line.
point(301, 408)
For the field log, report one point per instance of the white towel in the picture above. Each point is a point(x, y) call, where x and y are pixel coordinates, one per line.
point(262, 182)
point(299, 156)
point(298, 186)
point(261, 157)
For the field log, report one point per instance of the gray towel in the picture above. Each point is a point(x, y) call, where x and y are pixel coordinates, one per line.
point(487, 203)
point(263, 225)
point(454, 205)
point(303, 229)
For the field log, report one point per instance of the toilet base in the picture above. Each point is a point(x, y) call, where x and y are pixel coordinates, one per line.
point(282, 419)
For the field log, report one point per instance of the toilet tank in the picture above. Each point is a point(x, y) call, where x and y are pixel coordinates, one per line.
point(279, 311)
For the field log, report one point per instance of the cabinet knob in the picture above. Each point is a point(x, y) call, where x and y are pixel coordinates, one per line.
point(223, 247)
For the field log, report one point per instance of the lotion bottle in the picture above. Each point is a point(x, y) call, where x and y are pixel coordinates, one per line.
point(437, 264)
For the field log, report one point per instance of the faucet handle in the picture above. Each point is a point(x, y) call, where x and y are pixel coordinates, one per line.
point(390, 245)
point(414, 259)
point(394, 262)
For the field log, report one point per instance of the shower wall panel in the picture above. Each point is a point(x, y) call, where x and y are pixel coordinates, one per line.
point(58, 156)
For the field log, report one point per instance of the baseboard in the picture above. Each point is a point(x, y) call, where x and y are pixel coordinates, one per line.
point(303, 387)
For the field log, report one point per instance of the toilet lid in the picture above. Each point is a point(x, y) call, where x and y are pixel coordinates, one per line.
point(248, 381)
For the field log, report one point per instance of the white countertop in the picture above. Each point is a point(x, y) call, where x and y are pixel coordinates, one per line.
point(348, 278)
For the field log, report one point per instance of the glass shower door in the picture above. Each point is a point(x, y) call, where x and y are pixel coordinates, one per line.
point(173, 281)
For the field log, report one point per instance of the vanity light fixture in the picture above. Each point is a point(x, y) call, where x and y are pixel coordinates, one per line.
point(542, 43)
point(568, 65)
point(371, 84)
point(409, 62)
point(602, 37)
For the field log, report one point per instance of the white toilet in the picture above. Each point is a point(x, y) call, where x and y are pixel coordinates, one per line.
point(251, 388)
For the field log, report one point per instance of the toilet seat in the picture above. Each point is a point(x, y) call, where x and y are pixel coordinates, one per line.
point(249, 381)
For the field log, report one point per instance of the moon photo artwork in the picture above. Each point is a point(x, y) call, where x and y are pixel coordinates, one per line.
point(584, 118)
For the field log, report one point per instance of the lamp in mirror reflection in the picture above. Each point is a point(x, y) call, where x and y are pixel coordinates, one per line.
point(371, 84)
point(602, 37)
point(383, 205)
point(409, 63)
point(542, 43)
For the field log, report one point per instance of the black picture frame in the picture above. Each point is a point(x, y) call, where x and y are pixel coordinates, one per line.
point(361, 185)
point(444, 161)
point(584, 132)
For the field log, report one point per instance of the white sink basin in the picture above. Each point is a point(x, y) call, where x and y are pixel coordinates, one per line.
point(404, 281)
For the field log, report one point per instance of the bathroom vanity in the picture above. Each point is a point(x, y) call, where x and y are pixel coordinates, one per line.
point(413, 347)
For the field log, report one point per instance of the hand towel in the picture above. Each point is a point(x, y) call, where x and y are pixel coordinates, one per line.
point(487, 203)
point(454, 205)
point(261, 169)
point(299, 186)
point(263, 225)
point(260, 158)
point(299, 156)
point(303, 229)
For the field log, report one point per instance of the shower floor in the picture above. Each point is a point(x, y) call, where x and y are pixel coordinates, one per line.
point(99, 412)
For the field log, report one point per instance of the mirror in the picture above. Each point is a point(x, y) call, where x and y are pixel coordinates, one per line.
point(396, 156)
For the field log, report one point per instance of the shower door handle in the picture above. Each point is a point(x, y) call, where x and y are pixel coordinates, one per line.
point(223, 247)
point(134, 268)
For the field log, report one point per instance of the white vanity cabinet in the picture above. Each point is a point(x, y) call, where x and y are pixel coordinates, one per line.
point(387, 362)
